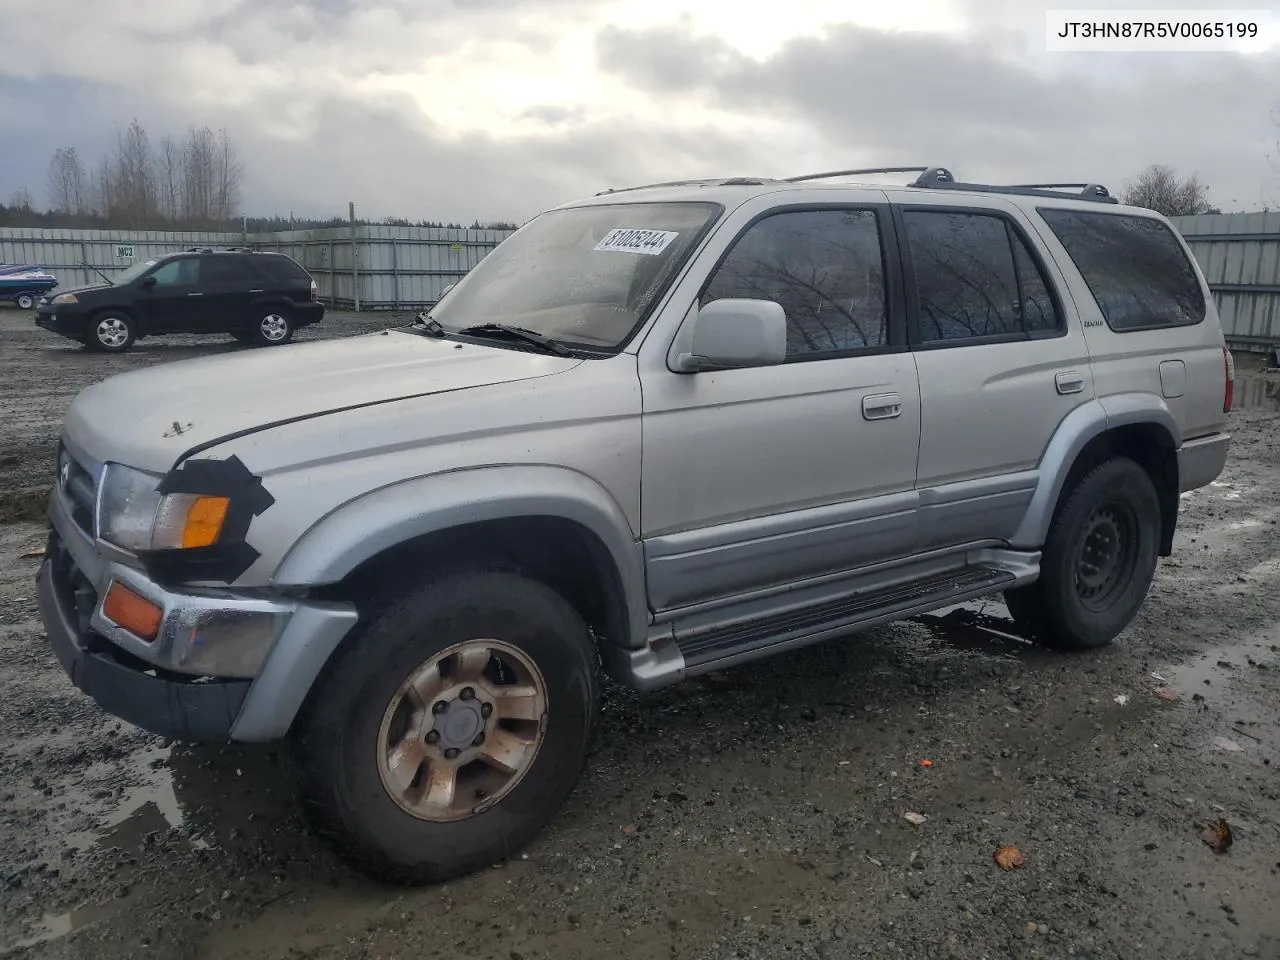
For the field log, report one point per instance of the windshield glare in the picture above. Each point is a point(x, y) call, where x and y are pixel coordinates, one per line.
point(133, 273)
point(584, 275)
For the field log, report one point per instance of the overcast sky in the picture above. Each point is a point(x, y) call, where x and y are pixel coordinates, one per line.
point(496, 109)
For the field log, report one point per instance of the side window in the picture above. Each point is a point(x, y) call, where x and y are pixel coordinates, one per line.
point(975, 277)
point(223, 270)
point(826, 269)
point(279, 269)
point(177, 273)
point(1038, 310)
point(1134, 266)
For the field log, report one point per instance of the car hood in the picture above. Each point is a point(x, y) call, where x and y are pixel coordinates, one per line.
point(149, 418)
point(84, 288)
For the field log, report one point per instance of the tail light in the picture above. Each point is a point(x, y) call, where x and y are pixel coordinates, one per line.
point(1229, 373)
point(315, 291)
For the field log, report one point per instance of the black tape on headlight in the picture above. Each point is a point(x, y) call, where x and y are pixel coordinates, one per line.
point(232, 555)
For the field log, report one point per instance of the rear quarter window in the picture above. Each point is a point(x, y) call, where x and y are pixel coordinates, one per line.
point(280, 269)
point(1135, 268)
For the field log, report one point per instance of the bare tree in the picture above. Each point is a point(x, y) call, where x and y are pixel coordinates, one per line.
point(100, 189)
point(1159, 188)
point(200, 166)
point(169, 170)
point(21, 199)
point(133, 177)
point(66, 181)
point(229, 170)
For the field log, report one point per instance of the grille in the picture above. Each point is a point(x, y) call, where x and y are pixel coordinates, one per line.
point(77, 485)
point(76, 594)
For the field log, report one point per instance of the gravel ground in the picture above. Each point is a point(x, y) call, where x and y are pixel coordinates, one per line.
point(757, 813)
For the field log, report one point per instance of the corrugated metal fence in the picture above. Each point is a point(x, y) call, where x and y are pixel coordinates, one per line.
point(1240, 256)
point(384, 268)
point(387, 267)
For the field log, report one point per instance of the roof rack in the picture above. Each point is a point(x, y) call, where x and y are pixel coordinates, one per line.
point(710, 182)
point(932, 178)
point(1090, 191)
point(198, 250)
point(929, 178)
point(928, 175)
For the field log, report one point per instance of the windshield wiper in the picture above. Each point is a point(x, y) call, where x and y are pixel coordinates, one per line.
point(499, 330)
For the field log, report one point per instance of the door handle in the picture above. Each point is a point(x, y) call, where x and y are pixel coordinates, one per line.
point(882, 406)
point(195, 294)
point(255, 291)
point(1069, 382)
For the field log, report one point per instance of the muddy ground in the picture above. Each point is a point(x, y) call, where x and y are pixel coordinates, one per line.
point(757, 813)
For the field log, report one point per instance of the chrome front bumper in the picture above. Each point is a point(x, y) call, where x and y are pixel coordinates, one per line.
point(223, 666)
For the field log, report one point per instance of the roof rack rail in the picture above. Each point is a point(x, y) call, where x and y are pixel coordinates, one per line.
point(709, 181)
point(198, 250)
point(1094, 190)
point(927, 174)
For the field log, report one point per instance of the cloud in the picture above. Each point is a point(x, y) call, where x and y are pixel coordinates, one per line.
point(986, 109)
point(496, 109)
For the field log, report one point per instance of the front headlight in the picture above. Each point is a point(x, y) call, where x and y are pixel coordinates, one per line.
point(135, 516)
point(127, 505)
point(65, 298)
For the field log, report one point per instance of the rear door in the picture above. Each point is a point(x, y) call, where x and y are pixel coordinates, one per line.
point(1148, 316)
point(1002, 361)
point(226, 284)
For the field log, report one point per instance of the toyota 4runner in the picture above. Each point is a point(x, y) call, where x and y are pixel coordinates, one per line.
point(655, 433)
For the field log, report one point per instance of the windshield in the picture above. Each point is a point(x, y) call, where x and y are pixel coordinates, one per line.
point(583, 275)
point(134, 272)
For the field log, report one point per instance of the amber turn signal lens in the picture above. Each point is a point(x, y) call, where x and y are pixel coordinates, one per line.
point(136, 614)
point(204, 521)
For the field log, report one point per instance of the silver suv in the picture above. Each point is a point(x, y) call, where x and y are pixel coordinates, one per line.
point(660, 431)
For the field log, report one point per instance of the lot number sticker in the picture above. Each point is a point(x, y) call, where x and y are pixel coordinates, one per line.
point(124, 251)
point(633, 240)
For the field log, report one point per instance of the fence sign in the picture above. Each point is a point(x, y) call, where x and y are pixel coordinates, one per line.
point(124, 251)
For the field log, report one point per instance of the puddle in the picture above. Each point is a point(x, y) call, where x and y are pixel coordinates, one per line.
point(147, 805)
point(1210, 675)
point(977, 626)
point(54, 926)
point(1257, 393)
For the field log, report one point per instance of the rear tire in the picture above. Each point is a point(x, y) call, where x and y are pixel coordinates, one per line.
point(366, 783)
point(1098, 562)
point(25, 301)
point(111, 332)
point(273, 327)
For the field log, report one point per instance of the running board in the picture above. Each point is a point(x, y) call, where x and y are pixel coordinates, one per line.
point(725, 646)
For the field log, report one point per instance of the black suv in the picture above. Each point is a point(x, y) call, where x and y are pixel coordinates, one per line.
point(255, 297)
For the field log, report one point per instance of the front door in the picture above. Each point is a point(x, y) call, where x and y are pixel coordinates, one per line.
point(172, 303)
point(763, 477)
point(1000, 365)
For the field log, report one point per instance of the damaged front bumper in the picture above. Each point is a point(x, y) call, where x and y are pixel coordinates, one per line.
point(222, 666)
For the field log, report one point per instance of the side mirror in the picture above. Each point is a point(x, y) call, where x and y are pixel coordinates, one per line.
point(148, 282)
point(736, 333)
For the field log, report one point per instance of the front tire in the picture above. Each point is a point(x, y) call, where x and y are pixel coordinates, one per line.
point(273, 327)
point(1099, 560)
point(111, 333)
point(449, 733)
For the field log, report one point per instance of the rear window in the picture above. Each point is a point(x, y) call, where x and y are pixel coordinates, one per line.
point(1134, 266)
point(280, 268)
